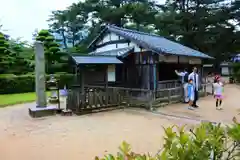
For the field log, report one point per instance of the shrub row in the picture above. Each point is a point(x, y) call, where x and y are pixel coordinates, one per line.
point(26, 83)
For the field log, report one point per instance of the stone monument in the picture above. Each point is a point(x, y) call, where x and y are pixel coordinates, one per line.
point(41, 108)
point(40, 86)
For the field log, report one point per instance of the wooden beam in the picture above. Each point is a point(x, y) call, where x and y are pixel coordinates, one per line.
point(113, 42)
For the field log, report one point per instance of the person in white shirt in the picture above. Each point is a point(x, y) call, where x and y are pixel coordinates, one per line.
point(194, 76)
point(184, 80)
point(218, 92)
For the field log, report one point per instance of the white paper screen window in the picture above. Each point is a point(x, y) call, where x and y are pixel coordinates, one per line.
point(225, 71)
point(111, 73)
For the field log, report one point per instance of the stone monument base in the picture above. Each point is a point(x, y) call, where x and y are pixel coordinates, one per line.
point(36, 112)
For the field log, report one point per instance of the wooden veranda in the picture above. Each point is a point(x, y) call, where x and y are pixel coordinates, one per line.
point(95, 98)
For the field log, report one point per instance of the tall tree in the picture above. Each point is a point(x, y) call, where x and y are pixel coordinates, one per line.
point(58, 25)
point(70, 24)
point(235, 12)
point(22, 60)
point(4, 54)
point(147, 11)
point(13, 58)
point(51, 49)
point(201, 25)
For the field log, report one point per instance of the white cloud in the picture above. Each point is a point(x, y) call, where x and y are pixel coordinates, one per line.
point(21, 17)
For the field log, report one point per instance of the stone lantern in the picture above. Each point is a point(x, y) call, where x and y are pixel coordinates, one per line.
point(53, 87)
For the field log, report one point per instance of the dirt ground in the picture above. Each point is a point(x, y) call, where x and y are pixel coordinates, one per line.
point(83, 137)
point(207, 109)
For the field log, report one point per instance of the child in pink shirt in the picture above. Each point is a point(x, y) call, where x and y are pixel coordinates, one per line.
point(218, 92)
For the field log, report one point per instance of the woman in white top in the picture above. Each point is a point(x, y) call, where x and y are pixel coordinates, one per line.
point(218, 92)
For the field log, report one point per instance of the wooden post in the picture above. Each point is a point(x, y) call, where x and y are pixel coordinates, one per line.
point(81, 98)
point(154, 78)
point(81, 69)
point(182, 89)
point(169, 95)
point(205, 89)
point(151, 82)
point(150, 100)
point(157, 74)
point(76, 78)
point(212, 89)
point(106, 83)
point(149, 77)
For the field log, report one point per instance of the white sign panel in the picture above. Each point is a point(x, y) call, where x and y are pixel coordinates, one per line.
point(195, 61)
point(183, 59)
point(111, 73)
point(171, 59)
point(168, 59)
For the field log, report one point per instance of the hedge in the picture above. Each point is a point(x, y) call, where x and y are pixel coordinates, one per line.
point(26, 83)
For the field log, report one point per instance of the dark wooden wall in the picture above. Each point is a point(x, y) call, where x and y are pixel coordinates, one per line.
point(166, 71)
point(126, 76)
point(94, 77)
point(132, 74)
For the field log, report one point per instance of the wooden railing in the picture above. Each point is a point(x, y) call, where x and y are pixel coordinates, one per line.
point(99, 97)
point(168, 84)
point(171, 95)
point(167, 94)
point(206, 89)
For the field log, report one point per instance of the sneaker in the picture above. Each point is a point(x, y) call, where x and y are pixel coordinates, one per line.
point(196, 106)
point(219, 108)
point(190, 108)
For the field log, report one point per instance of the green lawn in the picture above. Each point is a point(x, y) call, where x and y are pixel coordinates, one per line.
point(11, 99)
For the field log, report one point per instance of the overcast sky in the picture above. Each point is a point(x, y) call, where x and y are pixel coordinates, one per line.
point(21, 17)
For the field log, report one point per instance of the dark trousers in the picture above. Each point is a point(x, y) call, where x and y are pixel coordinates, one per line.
point(195, 98)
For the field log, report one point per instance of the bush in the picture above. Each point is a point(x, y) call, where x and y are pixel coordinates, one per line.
point(236, 71)
point(206, 141)
point(26, 83)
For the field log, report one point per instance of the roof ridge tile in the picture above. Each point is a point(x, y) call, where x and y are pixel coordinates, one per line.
point(134, 31)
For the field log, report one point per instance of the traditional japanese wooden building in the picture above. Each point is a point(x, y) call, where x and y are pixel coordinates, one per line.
point(135, 60)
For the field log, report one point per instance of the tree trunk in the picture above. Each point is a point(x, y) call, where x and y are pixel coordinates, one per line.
point(64, 40)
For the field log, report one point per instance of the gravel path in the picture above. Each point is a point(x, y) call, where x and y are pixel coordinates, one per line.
point(83, 137)
point(76, 137)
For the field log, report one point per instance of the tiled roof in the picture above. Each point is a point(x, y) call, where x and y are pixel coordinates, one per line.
point(156, 43)
point(96, 60)
point(120, 52)
point(236, 58)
